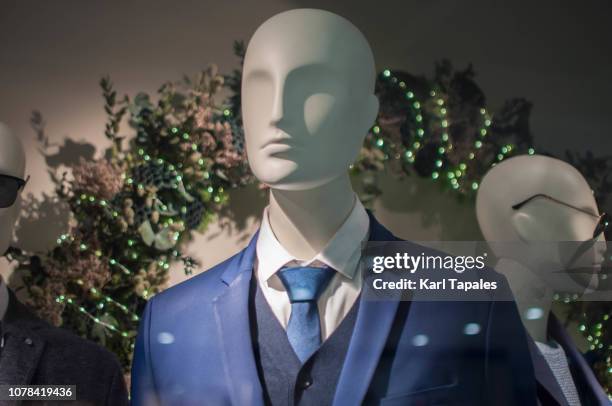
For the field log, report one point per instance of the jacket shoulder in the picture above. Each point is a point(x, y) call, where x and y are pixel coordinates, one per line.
point(60, 343)
point(206, 284)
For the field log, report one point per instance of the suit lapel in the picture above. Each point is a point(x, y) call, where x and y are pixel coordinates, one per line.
point(374, 321)
point(22, 347)
point(232, 318)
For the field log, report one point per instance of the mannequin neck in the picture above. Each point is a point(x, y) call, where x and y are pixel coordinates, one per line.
point(304, 221)
point(531, 293)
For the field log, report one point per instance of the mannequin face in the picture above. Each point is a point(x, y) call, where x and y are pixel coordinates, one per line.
point(548, 230)
point(546, 220)
point(307, 98)
point(12, 162)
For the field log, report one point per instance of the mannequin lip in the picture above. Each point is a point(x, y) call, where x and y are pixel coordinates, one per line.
point(283, 144)
point(274, 148)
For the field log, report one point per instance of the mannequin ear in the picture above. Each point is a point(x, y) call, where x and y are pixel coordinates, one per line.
point(525, 226)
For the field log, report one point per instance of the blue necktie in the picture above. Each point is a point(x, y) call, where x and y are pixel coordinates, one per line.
point(304, 285)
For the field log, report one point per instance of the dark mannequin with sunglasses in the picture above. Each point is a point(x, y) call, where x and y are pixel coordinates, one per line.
point(540, 218)
point(12, 168)
point(32, 352)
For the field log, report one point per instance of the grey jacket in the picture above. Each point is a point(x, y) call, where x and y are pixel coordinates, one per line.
point(37, 353)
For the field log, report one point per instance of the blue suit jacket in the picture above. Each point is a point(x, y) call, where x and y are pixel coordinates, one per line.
point(194, 347)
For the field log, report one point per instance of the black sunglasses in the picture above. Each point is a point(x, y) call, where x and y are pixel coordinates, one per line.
point(9, 188)
point(602, 224)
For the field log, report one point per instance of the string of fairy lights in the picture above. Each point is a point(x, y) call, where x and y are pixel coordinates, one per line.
point(453, 175)
point(215, 194)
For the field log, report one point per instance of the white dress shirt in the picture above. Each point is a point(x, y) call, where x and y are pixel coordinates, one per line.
point(342, 253)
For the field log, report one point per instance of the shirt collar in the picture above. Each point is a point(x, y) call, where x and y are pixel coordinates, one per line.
point(341, 253)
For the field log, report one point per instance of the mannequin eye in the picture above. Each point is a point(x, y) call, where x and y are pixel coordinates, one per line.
point(9, 188)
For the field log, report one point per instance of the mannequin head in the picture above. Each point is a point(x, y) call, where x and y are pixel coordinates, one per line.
point(12, 163)
point(307, 98)
point(543, 223)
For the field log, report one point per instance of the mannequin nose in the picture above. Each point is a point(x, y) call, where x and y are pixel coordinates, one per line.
point(278, 108)
point(277, 111)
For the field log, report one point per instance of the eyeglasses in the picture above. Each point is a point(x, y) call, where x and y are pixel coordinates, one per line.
point(9, 189)
point(603, 222)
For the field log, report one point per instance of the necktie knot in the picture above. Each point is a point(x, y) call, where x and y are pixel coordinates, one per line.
point(305, 283)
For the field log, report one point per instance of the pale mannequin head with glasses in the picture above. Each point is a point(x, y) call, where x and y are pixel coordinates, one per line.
point(540, 218)
point(12, 182)
point(535, 200)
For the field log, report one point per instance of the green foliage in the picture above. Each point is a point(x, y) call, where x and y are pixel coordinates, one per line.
point(134, 210)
